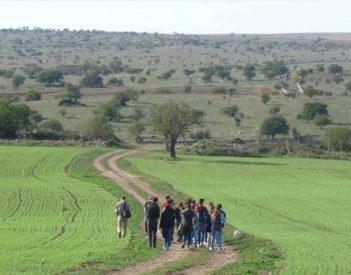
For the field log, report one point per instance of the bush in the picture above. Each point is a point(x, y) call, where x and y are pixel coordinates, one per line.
point(33, 96)
point(274, 110)
point(49, 129)
point(219, 91)
point(115, 82)
point(338, 138)
point(311, 109)
point(142, 80)
point(199, 135)
point(92, 80)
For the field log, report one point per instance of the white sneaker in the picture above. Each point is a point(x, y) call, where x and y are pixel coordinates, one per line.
point(210, 248)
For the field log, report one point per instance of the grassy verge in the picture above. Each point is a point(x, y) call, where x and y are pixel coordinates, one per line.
point(135, 249)
point(256, 256)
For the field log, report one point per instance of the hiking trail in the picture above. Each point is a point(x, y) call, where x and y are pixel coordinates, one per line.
point(127, 182)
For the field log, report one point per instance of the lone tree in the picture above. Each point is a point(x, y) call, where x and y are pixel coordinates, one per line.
point(50, 77)
point(265, 98)
point(249, 71)
point(92, 80)
point(322, 120)
point(274, 125)
point(73, 93)
point(174, 120)
point(272, 69)
point(311, 109)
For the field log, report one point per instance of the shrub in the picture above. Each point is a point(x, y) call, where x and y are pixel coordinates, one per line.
point(199, 135)
point(274, 110)
point(219, 91)
point(311, 109)
point(338, 138)
point(33, 96)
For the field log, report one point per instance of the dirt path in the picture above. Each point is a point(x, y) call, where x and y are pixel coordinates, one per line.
point(124, 180)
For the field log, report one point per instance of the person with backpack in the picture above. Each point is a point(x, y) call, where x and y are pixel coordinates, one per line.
point(152, 215)
point(123, 214)
point(219, 206)
point(167, 224)
point(202, 213)
point(188, 216)
point(217, 220)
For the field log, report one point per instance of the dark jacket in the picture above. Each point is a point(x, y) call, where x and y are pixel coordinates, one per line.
point(167, 217)
point(178, 215)
point(188, 216)
point(152, 212)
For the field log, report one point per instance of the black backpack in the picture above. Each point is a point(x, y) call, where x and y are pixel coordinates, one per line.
point(202, 216)
point(217, 225)
point(124, 210)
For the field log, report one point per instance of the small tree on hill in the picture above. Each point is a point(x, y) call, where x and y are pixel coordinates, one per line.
point(50, 77)
point(92, 80)
point(174, 120)
point(233, 111)
point(97, 128)
point(136, 130)
point(17, 80)
point(311, 109)
point(335, 69)
point(265, 98)
point(273, 126)
point(249, 71)
point(322, 120)
point(33, 96)
point(73, 93)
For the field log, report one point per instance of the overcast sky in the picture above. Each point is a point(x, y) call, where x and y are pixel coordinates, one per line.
point(285, 16)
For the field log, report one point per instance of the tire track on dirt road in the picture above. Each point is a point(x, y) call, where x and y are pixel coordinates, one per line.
point(126, 182)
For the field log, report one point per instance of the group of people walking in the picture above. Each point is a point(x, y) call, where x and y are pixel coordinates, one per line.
point(195, 224)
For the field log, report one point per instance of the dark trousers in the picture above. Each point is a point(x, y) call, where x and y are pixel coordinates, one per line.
point(152, 230)
point(188, 236)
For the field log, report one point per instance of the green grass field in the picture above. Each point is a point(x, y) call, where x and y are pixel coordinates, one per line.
point(52, 222)
point(302, 205)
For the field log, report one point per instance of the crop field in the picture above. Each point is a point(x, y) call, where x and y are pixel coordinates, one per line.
point(51, 222)
point(302, 205)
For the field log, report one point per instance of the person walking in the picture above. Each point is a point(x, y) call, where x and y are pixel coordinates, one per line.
point(217, 219)
point(123, 214)
point(164, 202)
point(219, 207)
point(188, 216)
point(202, 213)
point(153, 214)
point(210, 210)
point(178, 220)
point(167, 224)
point(145, 215)
point(196, 227)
